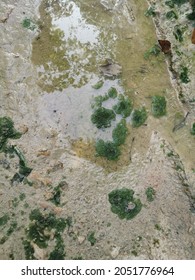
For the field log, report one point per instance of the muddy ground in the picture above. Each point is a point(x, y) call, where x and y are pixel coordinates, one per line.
point(49, 95)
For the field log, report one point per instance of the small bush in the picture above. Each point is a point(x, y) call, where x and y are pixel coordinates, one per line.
point(150, 193)
point(124, 204)
point(102, 117)
point(158, 106)
point(178, 34)
point(123, 107)
point(193, 129)
point(98, 85)
point(112, 92)
point(107, 149)
point(153, 51)
point(119, 133)
point(139, 117)
point(184, 75)
point(91, 238)
point(150, 11)
point(28, 23)
point(171, 15)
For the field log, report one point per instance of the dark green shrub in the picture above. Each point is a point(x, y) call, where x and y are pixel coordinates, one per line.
point(193, 129)
point(123, 107)
point(124, 204)
point(178, 34)
point(184, 75)
point(7, 131)
point(107, 149)
point(102, 117)
point(170, 4)
point(119, 133)
point(158, 106)
point(191, 16)
point(171, 15)
point(91, 238)
point(139, 117)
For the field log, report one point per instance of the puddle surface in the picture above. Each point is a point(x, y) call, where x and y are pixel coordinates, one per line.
point(75, 39)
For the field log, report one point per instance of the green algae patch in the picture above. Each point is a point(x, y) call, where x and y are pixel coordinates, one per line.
point(107, 149)
point(123, 107)
point(139, 116)
point(7, 131)
point(119, 133)
point(124, 204)
point(158, 106)
point(102, 117)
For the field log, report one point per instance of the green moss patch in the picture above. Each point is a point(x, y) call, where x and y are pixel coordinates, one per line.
point(119, 133)
point(124, 204)
point(158, 106)
point(139, 117)
point(123, 107)
point(102, 117)
point(107, 149)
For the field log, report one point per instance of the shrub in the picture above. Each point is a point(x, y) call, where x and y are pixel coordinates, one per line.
point(7, 131)
point(158, 106)
point(107, 149)
point(119, 133)
point(123, 107)
point(171, 15)
point(98, 85)
point(112, 92)
point(150, 193)
point(193, 129)
point(102, 117)
point(139, 117)
point(154, 51)
point(184, 75)
point(124, 204)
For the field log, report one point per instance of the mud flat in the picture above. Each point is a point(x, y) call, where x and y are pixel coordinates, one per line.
point(51, 83)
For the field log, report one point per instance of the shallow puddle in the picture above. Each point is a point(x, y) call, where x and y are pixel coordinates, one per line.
point(75, 39)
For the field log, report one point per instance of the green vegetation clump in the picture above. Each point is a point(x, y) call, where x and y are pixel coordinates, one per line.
point(58, 252)
point(178, 34)
point(158, 106)
point(179, 2)
point(7, 131)
point(98, 85)
point(107, 149)
point(28, 24)
point(191, 16)
point(171, 15)
point(91, 238)
point(102, 117)
point(170, 4)
point(41, 225)
point(124, 204)
point(119, 133)
point(184, 75)
point(123, 107)
point(139, 117)
point(150, 11)
point(3, 220)
point(153, 51)
point(29, 250)
point(100, 99)
point(150, 193)
point(112, 92)
point(56, 195)
point(193, 129)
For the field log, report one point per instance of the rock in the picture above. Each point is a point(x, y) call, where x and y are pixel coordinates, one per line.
point(110, 69)
point(39, 253)
point(81, 239)
point(43, 152)
point(115, 252)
